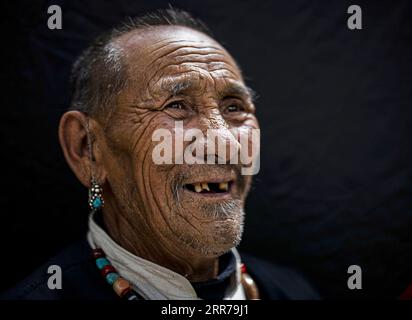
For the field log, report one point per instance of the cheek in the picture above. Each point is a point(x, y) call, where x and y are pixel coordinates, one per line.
point(154, 180)
point(141, 139)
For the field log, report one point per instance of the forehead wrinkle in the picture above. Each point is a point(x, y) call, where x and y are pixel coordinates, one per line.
point(195, 63)
point(148, 41)
point(200, 69)
point(172, 42)
point(185, 52)
point(194, 77)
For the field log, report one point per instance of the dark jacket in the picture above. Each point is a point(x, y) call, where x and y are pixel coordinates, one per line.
point(82, 280)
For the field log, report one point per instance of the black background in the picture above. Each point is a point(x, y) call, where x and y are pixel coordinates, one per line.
point(335, 111)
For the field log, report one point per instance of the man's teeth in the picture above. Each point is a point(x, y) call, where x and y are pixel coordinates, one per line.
point(199, 187)
point(205, 186)
point(224, 186)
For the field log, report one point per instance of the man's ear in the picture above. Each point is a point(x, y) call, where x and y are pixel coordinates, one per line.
point(73, 130)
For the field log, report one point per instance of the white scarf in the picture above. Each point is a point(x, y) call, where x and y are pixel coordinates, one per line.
point(153, 281)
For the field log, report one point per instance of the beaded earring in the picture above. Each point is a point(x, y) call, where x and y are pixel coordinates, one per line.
point(96, 201)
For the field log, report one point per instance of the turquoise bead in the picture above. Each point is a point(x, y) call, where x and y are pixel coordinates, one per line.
point(97, 203)
point(101, 262)
point(112, 277)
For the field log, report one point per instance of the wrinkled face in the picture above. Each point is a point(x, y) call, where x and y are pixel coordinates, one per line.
point(178, 74)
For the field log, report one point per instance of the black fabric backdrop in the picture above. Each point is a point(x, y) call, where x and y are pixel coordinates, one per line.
point(335, 111)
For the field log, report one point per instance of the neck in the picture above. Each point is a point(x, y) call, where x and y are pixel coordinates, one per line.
point(141, 243)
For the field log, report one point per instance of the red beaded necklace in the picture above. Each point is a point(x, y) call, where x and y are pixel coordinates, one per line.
point(124, 289)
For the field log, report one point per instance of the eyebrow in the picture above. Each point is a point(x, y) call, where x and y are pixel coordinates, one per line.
point(237, 89)
point(175, 87)
point(178, 87)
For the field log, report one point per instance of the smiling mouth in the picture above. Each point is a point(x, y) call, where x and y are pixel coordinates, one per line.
point(209, 188)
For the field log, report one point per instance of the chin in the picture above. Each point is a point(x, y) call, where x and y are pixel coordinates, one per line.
point(217, 237)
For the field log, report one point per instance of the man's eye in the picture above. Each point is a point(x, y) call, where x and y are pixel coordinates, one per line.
point(175, 105)
point(235, 108)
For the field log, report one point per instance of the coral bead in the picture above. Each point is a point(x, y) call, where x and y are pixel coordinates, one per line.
point(121, 286)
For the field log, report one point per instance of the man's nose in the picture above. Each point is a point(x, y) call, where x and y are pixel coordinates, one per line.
point(220, 145)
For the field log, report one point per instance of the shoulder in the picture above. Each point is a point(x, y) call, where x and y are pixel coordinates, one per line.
point(80, 279)
point(277, 282)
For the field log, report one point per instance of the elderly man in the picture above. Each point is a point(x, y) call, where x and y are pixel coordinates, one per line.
point(159, 230)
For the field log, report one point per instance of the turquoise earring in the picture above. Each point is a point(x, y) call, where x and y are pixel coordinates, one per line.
point(95, 196)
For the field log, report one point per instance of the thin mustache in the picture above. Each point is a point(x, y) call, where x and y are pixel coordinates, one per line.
point(184, 175)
